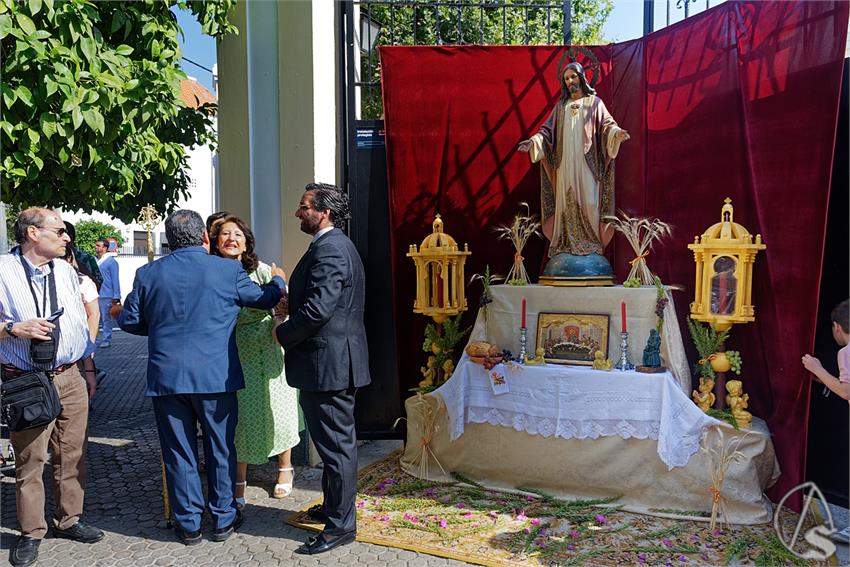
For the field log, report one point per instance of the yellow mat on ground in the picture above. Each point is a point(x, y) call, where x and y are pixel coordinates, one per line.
point(465, 521)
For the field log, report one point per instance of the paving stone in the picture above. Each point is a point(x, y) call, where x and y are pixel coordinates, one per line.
point(124, 494)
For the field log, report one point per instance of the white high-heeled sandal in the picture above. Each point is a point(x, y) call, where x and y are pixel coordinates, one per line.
point(240, 500)
point(284, 489)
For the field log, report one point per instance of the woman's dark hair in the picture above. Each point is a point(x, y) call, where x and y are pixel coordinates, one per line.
point(71, 258)
point(841, 315)
point(249, 258)
point(215, 218)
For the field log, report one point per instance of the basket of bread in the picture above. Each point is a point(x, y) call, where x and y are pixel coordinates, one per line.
point(481, 351)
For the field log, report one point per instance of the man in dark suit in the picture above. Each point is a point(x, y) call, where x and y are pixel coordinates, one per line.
point(326, 355)
point(186, 303)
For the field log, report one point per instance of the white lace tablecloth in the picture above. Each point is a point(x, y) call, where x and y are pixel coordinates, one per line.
point(577, 402)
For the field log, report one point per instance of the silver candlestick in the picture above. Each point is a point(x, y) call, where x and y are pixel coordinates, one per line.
point(523, 339)
point(623, 363)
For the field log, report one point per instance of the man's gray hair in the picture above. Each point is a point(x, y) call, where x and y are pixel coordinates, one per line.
point(184, 228)
point(34, 216)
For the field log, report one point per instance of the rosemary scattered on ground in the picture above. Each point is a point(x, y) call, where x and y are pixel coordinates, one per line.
point(697, 513)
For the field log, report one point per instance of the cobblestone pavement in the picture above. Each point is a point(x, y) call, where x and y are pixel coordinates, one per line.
point(124, 498)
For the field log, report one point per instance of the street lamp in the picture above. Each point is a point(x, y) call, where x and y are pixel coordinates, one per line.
point(369, 30)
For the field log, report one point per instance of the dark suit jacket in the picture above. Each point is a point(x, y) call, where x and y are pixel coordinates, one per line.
point(324, 337)
point(187, 303)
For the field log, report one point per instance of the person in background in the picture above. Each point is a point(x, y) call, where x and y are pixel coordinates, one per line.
point(110, 290)
point(86, 263)
point(268, 406)
point(840, 317)
point(88, 292)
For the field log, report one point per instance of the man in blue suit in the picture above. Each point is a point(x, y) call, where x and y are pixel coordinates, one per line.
point(186, 303)
point(326, 355)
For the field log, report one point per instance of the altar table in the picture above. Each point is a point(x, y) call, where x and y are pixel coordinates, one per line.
point(578, 433)
point(504, 315)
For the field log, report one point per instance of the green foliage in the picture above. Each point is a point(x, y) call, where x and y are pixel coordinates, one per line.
point(723, 415)
point(707, 341)
point(447, 25)
point(91, 114)
point(90, 231)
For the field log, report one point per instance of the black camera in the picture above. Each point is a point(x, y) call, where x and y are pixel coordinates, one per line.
point(43, 351)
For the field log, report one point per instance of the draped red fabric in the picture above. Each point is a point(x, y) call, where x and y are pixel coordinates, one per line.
point(740, 101)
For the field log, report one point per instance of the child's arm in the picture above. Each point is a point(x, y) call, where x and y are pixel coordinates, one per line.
point(814, 366)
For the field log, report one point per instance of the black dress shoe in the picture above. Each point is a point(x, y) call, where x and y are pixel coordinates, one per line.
point(221, 534)
point(25, 551)
point(317, 513)
point(322, 543)
point(188, 538)
point(81, 532)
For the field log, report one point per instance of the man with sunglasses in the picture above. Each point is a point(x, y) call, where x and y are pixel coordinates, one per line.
point(32, 286)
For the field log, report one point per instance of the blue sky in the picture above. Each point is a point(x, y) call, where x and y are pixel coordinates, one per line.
point(625, 23)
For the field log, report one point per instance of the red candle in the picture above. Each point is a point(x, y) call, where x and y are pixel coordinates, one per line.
point(523, 312)
point(623, 314)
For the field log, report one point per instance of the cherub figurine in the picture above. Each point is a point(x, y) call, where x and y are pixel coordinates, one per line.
point(538, 357)
point(448, 369)
point(738, 401)
point(705, 397)
point(601, 363)
point(429, 372)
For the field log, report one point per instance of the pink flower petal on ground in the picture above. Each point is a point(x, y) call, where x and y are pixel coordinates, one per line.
point(460, 505)
point(535, 521)
point(492, 513)
point(521, 517)
point(682, 558)
point(667, 542)
point(642, 558)
point(466, 514)
point(443, 523)
point(530, 498)
point(384, 518)
point(601, 519)
point(574, 534)
point(361, 504)
point(717, 532)
point(527, 530)
point(571, 547)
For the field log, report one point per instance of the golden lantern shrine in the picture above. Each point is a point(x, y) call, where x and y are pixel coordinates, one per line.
point(724, 256)
point(440, 291)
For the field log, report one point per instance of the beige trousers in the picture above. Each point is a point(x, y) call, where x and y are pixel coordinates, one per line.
point(67, 436)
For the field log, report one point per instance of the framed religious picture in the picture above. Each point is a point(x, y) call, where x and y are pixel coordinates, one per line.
point(572, 338)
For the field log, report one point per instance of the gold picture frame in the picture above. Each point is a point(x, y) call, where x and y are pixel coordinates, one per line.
point(572, 338)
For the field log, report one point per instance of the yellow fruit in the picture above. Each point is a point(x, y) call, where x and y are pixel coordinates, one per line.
point(720, 362)
point(435, 349)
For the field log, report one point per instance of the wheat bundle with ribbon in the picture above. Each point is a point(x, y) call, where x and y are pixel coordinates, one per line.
point(524, 227)
point(721, 455)
point(422, 411)
point(641, 234)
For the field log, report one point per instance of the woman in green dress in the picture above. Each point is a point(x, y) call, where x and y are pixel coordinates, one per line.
point(268, 407)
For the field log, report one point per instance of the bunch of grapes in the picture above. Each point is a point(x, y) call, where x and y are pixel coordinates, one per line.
point(734, 358)
point(659, 306)
point(631, 282)
point(506, 354)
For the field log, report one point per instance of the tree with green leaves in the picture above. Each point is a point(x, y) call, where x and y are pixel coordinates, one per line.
point(90, 231)
point(90, 94)
point(508, 22)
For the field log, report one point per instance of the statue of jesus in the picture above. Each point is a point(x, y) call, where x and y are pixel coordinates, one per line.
point(576, 147)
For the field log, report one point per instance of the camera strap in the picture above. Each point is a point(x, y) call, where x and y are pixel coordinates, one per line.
point(49, 288)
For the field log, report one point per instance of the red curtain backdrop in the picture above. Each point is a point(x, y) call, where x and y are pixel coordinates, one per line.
point(740, 101)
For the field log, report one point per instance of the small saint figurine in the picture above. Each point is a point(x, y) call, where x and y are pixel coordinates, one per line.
point(538, 357)
point(652, 351)
point(738, 401)
point(429, 372)
point(600, 362)
point(448, 369)
point(705, 397)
